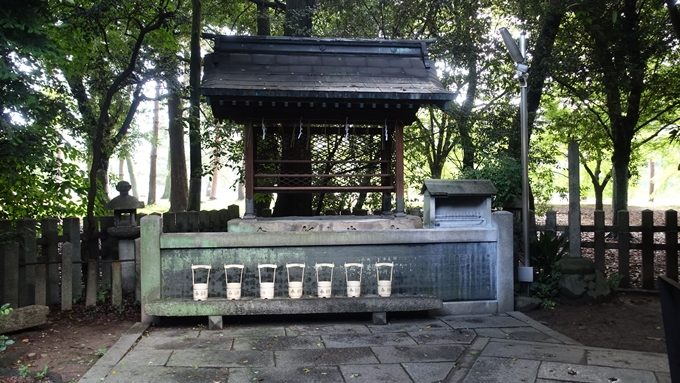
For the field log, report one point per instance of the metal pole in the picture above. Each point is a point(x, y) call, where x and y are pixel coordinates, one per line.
point(524, 118)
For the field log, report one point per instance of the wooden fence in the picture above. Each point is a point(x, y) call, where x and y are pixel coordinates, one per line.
point(47, 262)
point(640, 253)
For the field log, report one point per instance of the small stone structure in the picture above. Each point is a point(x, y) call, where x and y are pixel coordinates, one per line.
point(580, 280)
point(126, 229)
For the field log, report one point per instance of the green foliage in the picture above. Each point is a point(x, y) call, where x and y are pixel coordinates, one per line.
point(5, 310)
point(505, 173)
point(546, 251)
point(42, 374)
point(24, 370)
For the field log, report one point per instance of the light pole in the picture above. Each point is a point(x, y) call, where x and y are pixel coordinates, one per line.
point(519, 56)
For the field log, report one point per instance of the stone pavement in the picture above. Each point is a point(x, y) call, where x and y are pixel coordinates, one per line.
point(481, 348)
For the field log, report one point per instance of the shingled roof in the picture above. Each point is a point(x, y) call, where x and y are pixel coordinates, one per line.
point(281, 78)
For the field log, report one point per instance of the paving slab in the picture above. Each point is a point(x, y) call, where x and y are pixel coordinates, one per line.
point(628, 359)
point(336, 356)
point(428, 372)
point(463, 336)
point(481, 321)
point(528, 334)
point(534, 351)
point(275, 343)
point(410, 325)
point(329, 328)
point(249, 331)
point(169, 375)
point(220, 358)
point(419, 353)
point(492, 332)
point(663, 377)
point(358, 340)
point(493, 369)
point(311, 374)
point(183, 343)
point(173, 332)
point(371, 373)
point(139, 357)
point(569, 372)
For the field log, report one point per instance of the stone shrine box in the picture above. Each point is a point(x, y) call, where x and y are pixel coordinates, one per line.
point(457, 203)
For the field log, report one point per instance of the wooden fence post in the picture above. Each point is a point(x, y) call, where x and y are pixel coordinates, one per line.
point(672, 244)
point(9, 250)
point(91, 287)
point(647, 249)
point(50, 238)
point(66, 276)
point(116, 284)
point(72, 234)
point(5, 233)
point(599, 241)
point(623, 235)
point(109, 251)
point(28, 247)
point(551, 221)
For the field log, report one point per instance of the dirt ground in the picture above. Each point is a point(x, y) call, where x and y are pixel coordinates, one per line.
point(69, 344)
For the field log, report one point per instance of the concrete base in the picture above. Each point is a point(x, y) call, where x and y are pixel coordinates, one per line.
point(215, 322)
point(308, 305)
point(468, 308)
point(325, 223)
point(380, 318)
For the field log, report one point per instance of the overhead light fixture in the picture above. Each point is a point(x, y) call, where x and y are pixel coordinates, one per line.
point(518, 53)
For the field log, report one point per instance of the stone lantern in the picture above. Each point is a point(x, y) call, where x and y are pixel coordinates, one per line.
point(124, 209)
point(126, 229)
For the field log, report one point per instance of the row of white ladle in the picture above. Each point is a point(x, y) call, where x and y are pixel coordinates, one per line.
point(324, 280)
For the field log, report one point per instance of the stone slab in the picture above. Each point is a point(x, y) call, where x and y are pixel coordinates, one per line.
point(419, 353)
point(481, 321)
point(114, 354)
point(220, 358)
point(311, 374)
point(169, 375)
point(358, 340)
point(328, 328)
point(428, 372)
point(463, 336)
point(282, 306)
point(245, 331)
point(411, 325)
point(142, 357)
point(492, 369)
point(276, 343)
point(492, 332)
point(628, 359)
point(371, 373)
point(579, 373)
point(324, 357)
point(185, 343)
point(324, 223)
point(542, 328)
point(663, 377)
point(528, 334)
point(535, 351)
point(24, 317)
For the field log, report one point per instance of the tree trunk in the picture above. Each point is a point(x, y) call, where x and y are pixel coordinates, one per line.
point(195, 109)
point(540, 70)
point(178, 167)
point(299, 18)
point(133, 179)
point(674, 13)
point(620, 170)
point(168, 179)
point(121, 168)
point(263, 25)
point(294, 204)
point(151, 198)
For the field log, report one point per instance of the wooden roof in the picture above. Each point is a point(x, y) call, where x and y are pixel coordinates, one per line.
point(285, 78)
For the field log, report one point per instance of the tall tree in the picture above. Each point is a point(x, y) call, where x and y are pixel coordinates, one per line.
point(627, 79)
point(107, 49)
point(153, 158)
point(179, 196)
point(195, 108)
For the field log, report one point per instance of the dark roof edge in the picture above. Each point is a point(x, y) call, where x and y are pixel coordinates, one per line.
point(314, 40)
point(330, 94)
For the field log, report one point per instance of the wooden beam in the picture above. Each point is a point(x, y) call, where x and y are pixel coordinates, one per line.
point(399, 167)
point(250, 171)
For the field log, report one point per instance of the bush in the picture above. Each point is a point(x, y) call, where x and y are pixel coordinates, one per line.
point(545, 253)
point(4, 340)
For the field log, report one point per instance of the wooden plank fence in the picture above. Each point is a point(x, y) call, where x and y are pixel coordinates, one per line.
point(626, 240)
point(47, 262)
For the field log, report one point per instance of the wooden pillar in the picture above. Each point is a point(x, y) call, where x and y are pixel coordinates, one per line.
point(250, 172)
point(399, 168)
point(29, 251)
point(67, 276)
point(72, 233)
point(50, 237)
point(386, 168)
